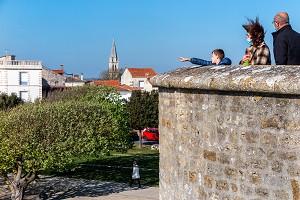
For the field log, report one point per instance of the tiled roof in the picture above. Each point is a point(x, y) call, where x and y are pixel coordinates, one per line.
point(59, 71)
point(115, 84)
point(141, 72)
point(72, 79)
point(126, 88)
point(107, 82)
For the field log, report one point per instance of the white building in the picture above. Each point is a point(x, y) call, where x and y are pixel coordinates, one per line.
point(139, 78)
point(22, 77)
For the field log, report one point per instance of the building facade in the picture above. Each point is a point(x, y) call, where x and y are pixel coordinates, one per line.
point(22, 77)
point(139, 78)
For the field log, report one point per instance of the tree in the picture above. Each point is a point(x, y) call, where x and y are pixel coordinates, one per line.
point(50, 134)
point(107, 75)
point(143, 110)
point(9, 101)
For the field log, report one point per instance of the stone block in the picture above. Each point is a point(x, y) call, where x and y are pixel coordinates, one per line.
point(281, 194)
point(230, 173)
point(277, 166)
point(287, 155)
point(269, 139)
point(246, 190)
point(294, 170)
point(259, 163)
point(208, 181)
point(263, 192)
point(193, 177)
point(255, 178)
point(222, 185)
point(295, 189)
point(210, 155)
point(250, 137)
point(274, 122)
point(234, 187)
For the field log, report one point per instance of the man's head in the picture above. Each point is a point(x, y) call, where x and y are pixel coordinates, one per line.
point(217, 55)
point(280, 20)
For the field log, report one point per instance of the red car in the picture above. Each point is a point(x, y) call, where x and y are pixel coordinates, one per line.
point(150, 134)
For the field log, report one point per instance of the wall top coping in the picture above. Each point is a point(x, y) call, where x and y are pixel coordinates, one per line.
point(280, 79)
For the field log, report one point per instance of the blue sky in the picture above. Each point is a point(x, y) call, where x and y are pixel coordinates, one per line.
point(148, 33)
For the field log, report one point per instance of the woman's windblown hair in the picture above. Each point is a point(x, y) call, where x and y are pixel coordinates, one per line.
point(256, 30)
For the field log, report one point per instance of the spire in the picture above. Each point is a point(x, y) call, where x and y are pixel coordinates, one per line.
point(113, 53)
point(113, 66)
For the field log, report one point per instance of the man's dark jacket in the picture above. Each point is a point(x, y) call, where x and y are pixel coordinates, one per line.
point(286, 46)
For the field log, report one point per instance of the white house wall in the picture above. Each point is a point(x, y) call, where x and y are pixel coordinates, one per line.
point(10, 78)
point(126, 78)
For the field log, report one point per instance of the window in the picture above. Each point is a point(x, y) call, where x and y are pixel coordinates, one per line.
point(141, 84)
point(24, 95)
point(23, 78)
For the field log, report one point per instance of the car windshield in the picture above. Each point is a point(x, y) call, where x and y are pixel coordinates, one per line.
point(152, 131)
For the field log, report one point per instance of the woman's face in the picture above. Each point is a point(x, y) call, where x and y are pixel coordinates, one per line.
point(248, 35)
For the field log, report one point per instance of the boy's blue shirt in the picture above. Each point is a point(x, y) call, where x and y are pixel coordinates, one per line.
point(198, 61)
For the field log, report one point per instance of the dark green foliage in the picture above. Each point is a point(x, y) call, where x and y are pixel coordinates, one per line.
point(9, 101)
point(143, 109)
point(49, 134)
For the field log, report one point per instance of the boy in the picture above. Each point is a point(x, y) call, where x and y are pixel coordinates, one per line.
point(135, 174)
point(217, 58)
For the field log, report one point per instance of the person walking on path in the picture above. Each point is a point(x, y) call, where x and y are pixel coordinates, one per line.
point(217, 58)
point(135, 174)
point(286, 41)
point(258, 53)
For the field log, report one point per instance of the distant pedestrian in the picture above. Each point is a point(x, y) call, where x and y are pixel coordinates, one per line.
point(286, 41)
point(135, 174)
point(258, 53)
point(217, 58)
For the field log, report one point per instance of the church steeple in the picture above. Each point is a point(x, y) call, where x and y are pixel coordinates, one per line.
point(113, 59)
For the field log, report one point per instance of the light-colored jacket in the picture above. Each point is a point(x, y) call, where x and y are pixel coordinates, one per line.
point(135, 172)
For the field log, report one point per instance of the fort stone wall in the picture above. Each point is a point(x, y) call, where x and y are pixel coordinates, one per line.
point(229, 132)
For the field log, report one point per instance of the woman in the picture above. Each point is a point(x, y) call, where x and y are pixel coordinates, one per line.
point(258, 53)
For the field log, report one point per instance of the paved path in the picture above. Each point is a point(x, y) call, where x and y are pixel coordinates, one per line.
point(58, 188)
point(150, 193)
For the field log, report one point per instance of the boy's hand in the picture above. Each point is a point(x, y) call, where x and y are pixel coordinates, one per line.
point(182, 59)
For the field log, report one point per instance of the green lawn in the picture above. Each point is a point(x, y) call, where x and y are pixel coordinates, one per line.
point(118, 167)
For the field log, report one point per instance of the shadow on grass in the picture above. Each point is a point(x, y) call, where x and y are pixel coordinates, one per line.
point(57, 188)
point(117, 168)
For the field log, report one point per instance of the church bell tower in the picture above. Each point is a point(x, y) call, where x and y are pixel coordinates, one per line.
point(113, 67)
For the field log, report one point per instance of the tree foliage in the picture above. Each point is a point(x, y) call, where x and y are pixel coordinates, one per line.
point(107, 75)
point(143, 109)
point(48, 135)
point(9, 101)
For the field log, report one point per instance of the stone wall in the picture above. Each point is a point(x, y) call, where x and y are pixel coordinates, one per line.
point(229, 133)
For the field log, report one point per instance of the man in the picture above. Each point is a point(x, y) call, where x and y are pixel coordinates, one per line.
point(217, 58)
point(286, 41)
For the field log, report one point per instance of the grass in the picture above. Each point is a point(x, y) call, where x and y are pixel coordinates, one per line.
point(118, 167)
